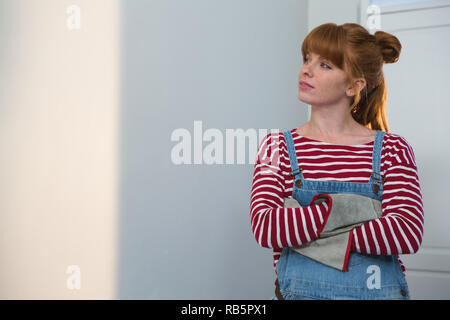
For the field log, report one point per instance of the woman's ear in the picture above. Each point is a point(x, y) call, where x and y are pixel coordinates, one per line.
point(359, 84)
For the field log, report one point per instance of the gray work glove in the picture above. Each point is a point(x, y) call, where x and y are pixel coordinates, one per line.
point(348, 211)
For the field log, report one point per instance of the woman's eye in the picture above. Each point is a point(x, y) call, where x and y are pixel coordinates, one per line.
point(326, 66)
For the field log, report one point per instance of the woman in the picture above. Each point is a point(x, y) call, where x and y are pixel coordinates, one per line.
point(345, 147)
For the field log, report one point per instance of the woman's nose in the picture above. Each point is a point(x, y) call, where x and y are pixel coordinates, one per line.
point(305, 70)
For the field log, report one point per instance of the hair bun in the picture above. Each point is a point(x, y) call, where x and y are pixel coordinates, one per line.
point(389, 45)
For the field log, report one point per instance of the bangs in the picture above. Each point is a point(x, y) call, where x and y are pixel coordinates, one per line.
point(326, 40)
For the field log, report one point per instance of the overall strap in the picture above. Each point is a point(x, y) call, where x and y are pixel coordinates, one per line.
point(376, 157)
point(292, 154)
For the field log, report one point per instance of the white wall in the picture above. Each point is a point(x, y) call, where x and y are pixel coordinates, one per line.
point(59, 99)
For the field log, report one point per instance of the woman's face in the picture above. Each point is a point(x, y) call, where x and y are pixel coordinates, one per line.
point(328, 81)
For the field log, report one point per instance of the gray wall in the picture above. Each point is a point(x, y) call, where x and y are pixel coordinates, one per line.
point(184, 230)
point(339, 12)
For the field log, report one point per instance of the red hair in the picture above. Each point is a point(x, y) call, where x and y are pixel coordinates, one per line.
point(351, 48)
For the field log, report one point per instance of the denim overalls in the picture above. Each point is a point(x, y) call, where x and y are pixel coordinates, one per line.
point(369, 276)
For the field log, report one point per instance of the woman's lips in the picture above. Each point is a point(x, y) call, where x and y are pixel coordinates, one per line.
point(304, 86)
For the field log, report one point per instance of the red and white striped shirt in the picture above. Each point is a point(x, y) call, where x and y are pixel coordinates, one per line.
point(398, 231)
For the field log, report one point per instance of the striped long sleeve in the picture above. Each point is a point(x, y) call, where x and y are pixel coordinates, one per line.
point(273, 225)
point(400, 229)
